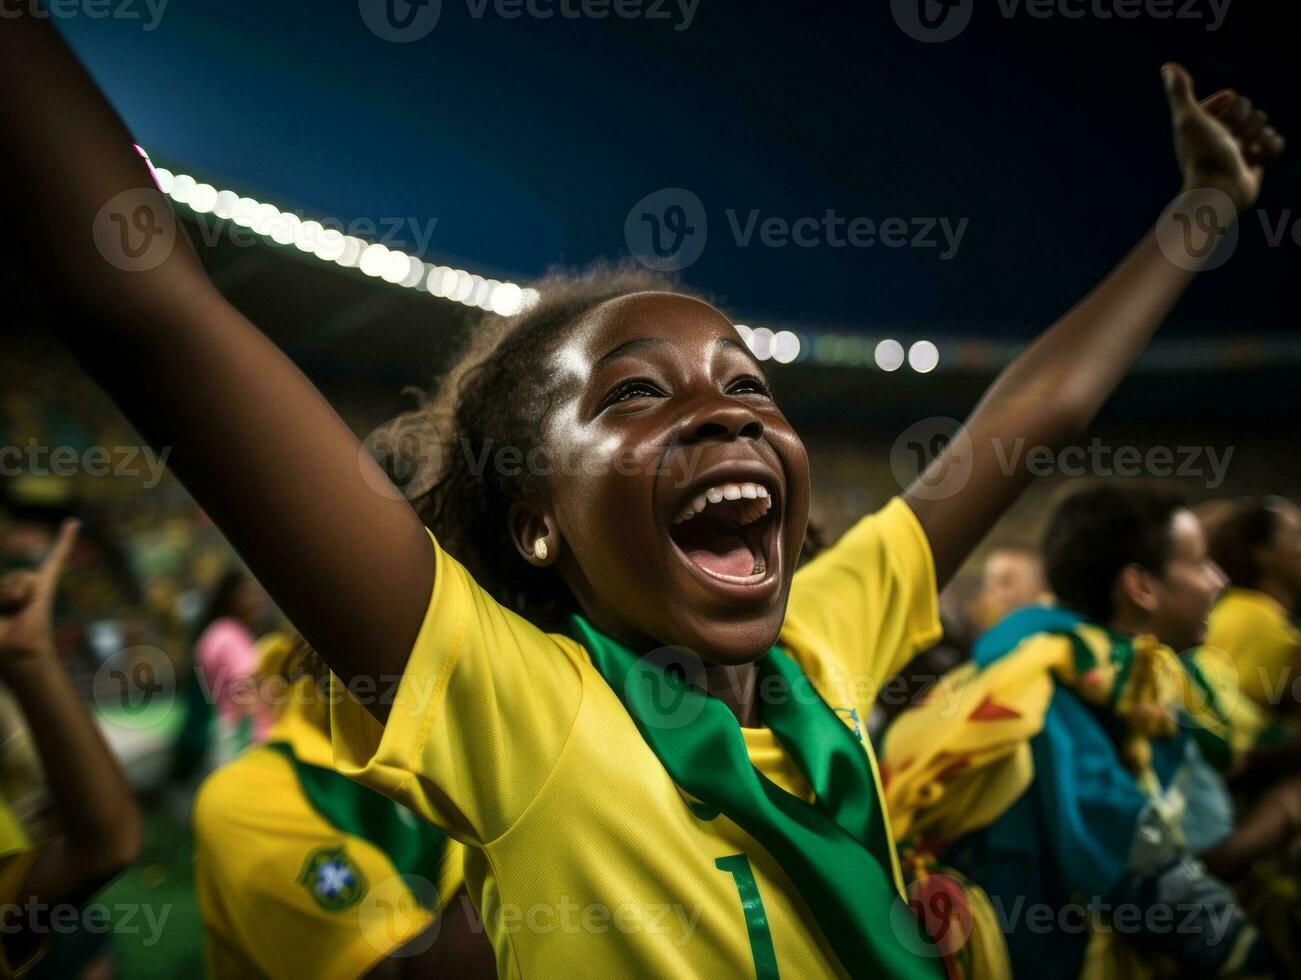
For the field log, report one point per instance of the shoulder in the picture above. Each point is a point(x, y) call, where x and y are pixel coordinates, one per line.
point(259, 781)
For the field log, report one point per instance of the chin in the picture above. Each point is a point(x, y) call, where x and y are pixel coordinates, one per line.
point(730, 643)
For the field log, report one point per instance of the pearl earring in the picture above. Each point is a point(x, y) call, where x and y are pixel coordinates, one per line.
point(540, 549)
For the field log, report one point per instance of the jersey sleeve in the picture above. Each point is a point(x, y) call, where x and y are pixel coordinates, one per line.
point(870, 601)
point(281, 892)
point(479, 718)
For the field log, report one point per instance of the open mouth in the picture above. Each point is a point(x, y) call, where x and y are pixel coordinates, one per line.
point(726, 532)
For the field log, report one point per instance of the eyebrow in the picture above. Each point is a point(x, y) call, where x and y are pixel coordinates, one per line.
point(632, 346)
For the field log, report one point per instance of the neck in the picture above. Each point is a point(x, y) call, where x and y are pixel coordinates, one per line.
point(1129, 624)
point(736, 687)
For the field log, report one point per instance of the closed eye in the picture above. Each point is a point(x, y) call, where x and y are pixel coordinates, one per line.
point(749, 385)
point(628, 390)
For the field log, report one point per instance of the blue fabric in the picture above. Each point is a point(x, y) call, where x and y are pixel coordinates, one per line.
point(1068, 838)
point(1073, 838)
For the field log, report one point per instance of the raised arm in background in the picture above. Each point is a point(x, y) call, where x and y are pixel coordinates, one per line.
point(340, 551)
point(97, 816)
point(1052, 391)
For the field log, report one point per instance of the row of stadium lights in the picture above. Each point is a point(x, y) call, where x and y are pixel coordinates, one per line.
point(503, 298)
point(785, 346)
point(331, 245)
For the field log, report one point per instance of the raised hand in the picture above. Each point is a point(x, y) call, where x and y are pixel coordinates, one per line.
point(1222, 142)
point(26, 602)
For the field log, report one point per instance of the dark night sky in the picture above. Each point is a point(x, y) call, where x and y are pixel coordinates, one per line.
point(529, 140)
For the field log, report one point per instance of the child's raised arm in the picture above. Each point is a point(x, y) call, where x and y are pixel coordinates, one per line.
point(1053, 390)
point(250, 437)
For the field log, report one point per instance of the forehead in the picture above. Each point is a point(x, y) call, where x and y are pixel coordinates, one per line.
point(1004, 562)
point(1186, 534)
point(680, 320)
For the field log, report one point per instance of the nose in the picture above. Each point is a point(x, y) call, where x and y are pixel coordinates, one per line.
point(722, 418)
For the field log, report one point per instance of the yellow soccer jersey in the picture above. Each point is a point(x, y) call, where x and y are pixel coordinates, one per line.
point(1255, 631)
point(282, 892)
point(585, 858)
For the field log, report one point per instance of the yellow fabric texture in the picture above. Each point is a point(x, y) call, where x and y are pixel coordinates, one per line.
point(584, 856)
point(16, 856)
point(1263, 643)
point(956, 761)
point(256, 832)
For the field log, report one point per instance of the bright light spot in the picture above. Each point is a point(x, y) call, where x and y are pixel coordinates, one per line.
point(463, 288)
point(307, 235)
point(244, 211)
point(441, 281)
point(483, 295)
point(203, 198)
point(284, 228)
point(330, 245)
point(889, 355)
point(923, 357)
point(761, 343)
point(373, 259)
point(264, 218)
point(166, 179)
point(352, 249)
point(225, 204)
point(507, 299)
point(415, 274)
point(396, 267)
point(182, 187)
point(745, 332)
point(785, 347)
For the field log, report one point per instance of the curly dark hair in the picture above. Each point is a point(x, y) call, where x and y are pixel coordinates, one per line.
point(497, 395)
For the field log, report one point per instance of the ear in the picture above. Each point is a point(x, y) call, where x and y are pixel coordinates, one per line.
point(1139, 587)
point(534, 531)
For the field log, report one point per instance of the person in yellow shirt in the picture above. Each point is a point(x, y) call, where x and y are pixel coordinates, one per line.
point(610, 484)
point(99, 824)
point(302, 873)
point(1258, 544)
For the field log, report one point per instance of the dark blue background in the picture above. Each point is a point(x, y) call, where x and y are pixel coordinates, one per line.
point(529, 140)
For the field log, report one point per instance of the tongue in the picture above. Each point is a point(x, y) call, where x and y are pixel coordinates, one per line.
point(723, 554)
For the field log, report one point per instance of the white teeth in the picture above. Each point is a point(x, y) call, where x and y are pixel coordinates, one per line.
point(731, 491)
